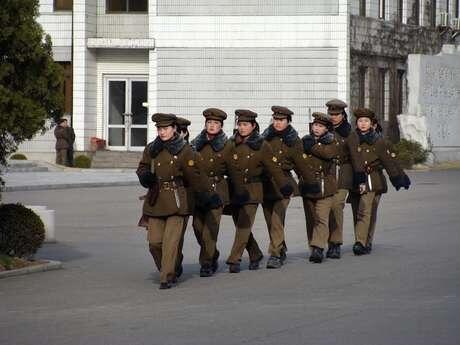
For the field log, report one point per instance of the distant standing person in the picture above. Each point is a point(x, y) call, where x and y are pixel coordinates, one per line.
point(63, 140)
point(71, 136)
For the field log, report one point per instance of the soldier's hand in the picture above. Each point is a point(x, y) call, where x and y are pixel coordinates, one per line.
point(362, 188)
point(287, 190)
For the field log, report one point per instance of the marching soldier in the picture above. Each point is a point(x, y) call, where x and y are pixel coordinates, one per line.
point(210, 144)
point(377, 155)
point(317, 182)
point(167, 164)
point(349, 172)
point(283, 139)
point(248, 156)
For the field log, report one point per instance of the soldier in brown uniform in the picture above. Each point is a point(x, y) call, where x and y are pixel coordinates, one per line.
point(283, 139)
point(317, 182)
point(167, 165)
point(247, 158)
point(210, 144)
point(63, 139)
point(349, 172)
point(377, 155)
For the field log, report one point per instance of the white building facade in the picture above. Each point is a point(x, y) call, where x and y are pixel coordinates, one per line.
point(132, 58)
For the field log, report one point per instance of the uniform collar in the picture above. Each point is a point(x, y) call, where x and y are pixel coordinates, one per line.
point(174, 146)
point(217, 143)
point(289, 135)
point(343, 129)
point(370, 137)
point(254, 140)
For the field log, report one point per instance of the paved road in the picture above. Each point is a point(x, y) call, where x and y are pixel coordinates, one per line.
point(406, 292)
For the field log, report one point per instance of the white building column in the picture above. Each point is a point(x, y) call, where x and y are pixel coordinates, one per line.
point(343, 54)
point(84, 73)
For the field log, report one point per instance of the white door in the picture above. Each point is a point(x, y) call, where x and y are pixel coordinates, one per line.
point(126, 117)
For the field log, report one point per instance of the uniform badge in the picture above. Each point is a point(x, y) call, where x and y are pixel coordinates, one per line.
point(274, 159)
point(393, 154)
point(235, 156)
point(359, 149)
point(191, 163)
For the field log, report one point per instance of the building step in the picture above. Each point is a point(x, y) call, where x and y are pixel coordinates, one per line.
point(15, 166)
point(115, 159)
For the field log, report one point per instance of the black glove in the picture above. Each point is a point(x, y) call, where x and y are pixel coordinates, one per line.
point(400, 181)
point(406, 181)
point(359, 178)
point(215, 201)
point(240, 199)
point(308, 142)
point(146, 179)
point(309, 188)
point(287, 190)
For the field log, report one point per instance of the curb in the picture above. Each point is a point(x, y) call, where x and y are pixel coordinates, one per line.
point(69, 186)
point(49, 266)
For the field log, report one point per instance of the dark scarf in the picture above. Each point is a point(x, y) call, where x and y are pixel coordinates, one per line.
point(309, 140)
point(254, 140)
point(343, 129)
point(217, 143)
point(289, 135)
point(370, 137)
point(174, 146)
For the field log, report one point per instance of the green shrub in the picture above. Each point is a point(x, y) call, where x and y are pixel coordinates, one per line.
point(19, 157)
point(409, 153)
point(21, 231)
point(82, 161)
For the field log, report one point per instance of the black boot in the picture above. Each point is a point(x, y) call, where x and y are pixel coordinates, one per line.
point(359, 249)
point(254, 265)
point(164, 286)
point(283, 255)
point(206, 271)
point(333, 252)
point(274, 262)
point(316, 255)
point(369, 248)
point(234, 268)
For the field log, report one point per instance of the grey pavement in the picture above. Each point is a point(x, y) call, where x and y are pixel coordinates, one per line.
point(69, 178)
point(406, 292)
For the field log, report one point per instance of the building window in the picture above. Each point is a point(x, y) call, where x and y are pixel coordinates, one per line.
point(433, 13)
point(63, 5)
point(127, 6)
point(67, 87)
point(382, 96)
point(415, 18)
point(382, 9)
point(401, 92)
point(457, 10)
point(362, 87)
point(362, 8)
point(400, 11)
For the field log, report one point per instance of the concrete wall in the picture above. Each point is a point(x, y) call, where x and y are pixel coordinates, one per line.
point(434, 96)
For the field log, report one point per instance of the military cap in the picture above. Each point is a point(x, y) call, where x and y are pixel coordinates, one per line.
point(215, 114)
point(182, 122)
point(164, 120)
point(335, 106)
point(322, 118)
point(245, 115)
point(364, 112)
point(61, 120)
point(281, 112)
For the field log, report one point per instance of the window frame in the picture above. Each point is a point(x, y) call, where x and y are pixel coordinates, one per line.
point(127, 11)
point(62, 10)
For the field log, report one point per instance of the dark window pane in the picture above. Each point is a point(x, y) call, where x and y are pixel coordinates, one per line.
point(116, 6)
point(116, 137)
point(138, 136)
point(137, 5)
point(63, 5)
point(116, 102)
point(139, 96)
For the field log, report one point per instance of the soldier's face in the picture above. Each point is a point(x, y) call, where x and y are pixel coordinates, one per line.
point(213, 127)
point(336, 119)
point(166, 133)
point(245, 128)
point(364, 124)
point(318, 129)
point(280, 124)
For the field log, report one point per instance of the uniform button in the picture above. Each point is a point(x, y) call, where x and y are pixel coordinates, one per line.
point(249, 156)
point(365, 162)
point(171, 162)
point(367, 150)
point(245, 179)
point(212, 173)
point(246, 170)
point(211, 159)
point(281, 151)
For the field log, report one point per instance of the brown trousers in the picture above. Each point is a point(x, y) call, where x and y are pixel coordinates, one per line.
point(243, 218)
point(336, 217)
point(206, 227)
point(61, 157)
point(275, 216)
point(164, 236)
point(364, 209)
point(317, 213)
